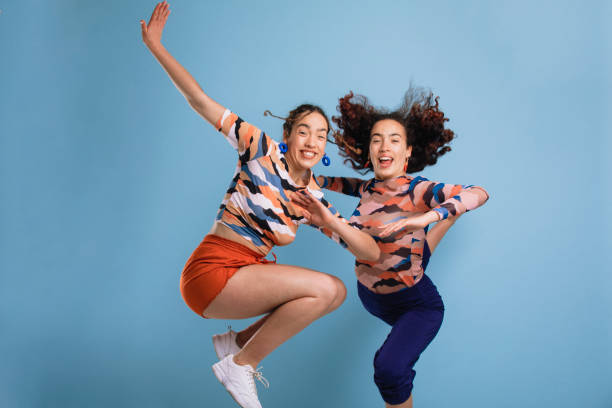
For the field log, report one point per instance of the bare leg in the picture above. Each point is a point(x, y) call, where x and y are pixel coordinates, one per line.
point(405, 404)
point(294, 297)
point(243, 336)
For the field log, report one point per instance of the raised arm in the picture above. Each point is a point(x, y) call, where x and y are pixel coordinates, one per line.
point(345, 185)
point(184, 82)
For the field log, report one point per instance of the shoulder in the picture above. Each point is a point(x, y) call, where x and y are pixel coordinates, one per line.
point(368, 184)
point(412, 182)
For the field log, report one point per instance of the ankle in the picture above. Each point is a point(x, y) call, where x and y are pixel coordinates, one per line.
point(241, 361)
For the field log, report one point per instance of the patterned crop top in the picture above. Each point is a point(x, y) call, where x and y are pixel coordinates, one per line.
point(257, 204)
point(404, 256)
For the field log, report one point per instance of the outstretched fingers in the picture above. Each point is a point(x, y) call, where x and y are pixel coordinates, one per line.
point(152, 32)
point(301, 199)
point(302, 202)
point(161, 11)
point(392, 228)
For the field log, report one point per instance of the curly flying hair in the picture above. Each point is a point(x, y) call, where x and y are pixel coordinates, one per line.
point(419, 114)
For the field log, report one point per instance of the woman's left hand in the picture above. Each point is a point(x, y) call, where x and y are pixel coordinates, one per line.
point(152, 32)
point(312, 209)
point(407, 224)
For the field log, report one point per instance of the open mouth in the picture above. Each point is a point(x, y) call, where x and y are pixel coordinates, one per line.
point(307, 154)
point(385, 162)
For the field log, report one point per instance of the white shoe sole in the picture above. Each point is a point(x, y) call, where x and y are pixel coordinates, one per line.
point(221, 376)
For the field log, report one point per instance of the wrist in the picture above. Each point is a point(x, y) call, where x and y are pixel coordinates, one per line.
point(440, 213)
point(433, 216)
point(333, 224)
point(154, 46)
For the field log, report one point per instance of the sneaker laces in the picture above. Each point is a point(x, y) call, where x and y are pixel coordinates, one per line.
point(259, 376)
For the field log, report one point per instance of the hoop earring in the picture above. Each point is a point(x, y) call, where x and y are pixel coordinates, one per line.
point(325, 160)
point(406, 165)
point(367, 164)
point(283, 147)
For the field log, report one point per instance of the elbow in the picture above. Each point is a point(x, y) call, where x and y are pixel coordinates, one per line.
point(483, 194)
point(196, 104)
point(372, 254)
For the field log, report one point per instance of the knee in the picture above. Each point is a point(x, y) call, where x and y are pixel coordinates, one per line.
point(387, 371)
point(331, 291)
point(340, 294)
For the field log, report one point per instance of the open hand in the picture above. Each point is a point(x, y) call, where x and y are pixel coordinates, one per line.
point(407, 224)
point(312, 209)
point(152, 32)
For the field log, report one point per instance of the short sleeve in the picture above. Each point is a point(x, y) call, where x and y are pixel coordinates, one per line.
point(248, 140)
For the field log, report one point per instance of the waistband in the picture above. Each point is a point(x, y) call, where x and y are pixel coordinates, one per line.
point(228, 244)
point(409, 292)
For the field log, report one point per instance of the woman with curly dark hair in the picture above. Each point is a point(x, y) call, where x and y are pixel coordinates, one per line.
point(396, 209)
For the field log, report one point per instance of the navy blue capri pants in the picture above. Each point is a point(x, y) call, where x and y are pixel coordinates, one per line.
point(415, 314)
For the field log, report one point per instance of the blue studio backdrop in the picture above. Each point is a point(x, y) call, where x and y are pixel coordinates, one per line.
point(109, 181)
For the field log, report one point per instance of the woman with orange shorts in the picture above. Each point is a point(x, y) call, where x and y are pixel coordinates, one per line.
point(227, 276)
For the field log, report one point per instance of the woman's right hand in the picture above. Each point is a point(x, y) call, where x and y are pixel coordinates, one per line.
point(152, 32)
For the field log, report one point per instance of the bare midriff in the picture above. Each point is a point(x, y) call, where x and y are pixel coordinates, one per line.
point(223, 231)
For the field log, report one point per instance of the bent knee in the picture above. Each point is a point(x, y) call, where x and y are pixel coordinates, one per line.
point(340, 293)
point(329, 289)
point(388, 373)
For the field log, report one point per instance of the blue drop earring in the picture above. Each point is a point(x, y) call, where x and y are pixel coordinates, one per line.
point(325, 160)
point(283, 147)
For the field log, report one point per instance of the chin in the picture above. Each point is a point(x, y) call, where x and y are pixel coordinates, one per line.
point(386, 173)
point(307, 164)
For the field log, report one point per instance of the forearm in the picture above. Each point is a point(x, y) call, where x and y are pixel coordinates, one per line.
point(437, 232)
point(187, 85)
point(359, 243)
point(467, 200)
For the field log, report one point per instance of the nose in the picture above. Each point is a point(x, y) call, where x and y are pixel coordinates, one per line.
point(385, 145)
point(310, 142)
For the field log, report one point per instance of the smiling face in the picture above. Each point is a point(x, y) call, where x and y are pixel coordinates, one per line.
point(388, 149)
point(306, 142)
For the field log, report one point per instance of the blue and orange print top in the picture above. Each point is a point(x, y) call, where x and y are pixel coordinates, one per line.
point(404, 256)
point(257, 204)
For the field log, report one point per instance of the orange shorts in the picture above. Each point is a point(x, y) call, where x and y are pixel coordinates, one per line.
point(209, 268)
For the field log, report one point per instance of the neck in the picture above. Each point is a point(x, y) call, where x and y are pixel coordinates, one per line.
point(383, 178)
point(297, 173)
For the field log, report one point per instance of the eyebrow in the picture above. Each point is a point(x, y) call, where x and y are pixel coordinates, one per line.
point(319, 130)
point(379, 134)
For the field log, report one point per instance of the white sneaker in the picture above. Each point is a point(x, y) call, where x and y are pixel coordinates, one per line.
point(239, 381)
point(225, 344)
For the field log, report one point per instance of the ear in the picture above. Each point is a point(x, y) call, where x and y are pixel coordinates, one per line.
point(285, 136)
point(409, 151)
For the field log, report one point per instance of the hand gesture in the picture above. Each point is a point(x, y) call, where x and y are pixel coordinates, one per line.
point(407, 224)
point(312, 209)
point(152, 32)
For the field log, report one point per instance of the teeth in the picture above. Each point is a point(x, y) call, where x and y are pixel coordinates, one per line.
point(309, 155)
point(385, 159)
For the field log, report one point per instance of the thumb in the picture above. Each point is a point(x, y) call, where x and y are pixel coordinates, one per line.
point(143, 26)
